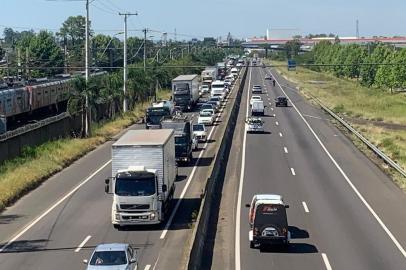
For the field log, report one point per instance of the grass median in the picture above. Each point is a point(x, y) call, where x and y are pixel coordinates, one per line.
point(377, 114)
point(22, 174)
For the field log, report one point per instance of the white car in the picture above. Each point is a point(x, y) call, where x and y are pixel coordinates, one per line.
point(257, 89)
point(200, 132)
point(254, 124)
point(255, 98)
point(112, 256)
point(206, 117)
point(205, 89)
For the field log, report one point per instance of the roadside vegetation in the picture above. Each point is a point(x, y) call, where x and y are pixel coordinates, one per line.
point(375, 112)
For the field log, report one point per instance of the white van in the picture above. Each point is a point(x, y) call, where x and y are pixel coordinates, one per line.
point(218, 89)
point(234, 72)
point(258, 107)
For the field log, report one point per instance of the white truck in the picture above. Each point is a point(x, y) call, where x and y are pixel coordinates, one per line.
point(185, 91)
point(143, 176)
point(218, 89)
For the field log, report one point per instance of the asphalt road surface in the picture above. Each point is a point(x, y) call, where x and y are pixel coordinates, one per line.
point(58, 225)
point(344, 212)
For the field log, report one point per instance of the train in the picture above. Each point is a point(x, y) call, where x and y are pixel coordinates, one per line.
point(39, 94)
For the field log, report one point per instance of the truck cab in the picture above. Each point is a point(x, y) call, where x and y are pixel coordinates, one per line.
point(135, 194)
point(155, 113)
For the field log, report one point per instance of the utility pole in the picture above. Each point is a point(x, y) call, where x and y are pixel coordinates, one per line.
point(145, 48)
point(125, 58)
point(87, 111)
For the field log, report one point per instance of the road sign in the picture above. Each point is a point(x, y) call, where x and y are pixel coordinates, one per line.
point(291, 64)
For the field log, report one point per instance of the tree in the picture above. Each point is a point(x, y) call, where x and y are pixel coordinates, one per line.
point(384, 75)
point(292, 48)
point(72, 34)
point(44, 54)
point(378, 55)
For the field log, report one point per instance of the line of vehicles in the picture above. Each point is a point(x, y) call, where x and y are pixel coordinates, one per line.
point(144, 162)
point(267, 216)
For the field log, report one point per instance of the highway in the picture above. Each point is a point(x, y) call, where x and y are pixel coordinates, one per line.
point(344, 212)
point(58, 225)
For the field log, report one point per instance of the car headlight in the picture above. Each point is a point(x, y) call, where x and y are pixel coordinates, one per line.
point(117, 216)
point(152, 216)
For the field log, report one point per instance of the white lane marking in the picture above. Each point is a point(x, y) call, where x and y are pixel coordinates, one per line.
point(147, 267)
point(240, 186)
point(305, 207)
point(189, 180)
point(311, 116)
point(293, 171)
point(371, 210)
point(285, 149)
point(272, 109)
point(326, 262)
point(30, 225)
point(280, 134)
point(277, 123)
point(83, 243)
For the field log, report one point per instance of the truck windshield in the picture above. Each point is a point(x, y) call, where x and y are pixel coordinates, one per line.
point(180, 140)
point(181, 97)
point(135, 185)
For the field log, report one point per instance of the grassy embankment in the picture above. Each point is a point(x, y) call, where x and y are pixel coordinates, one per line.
point(377, 114)
point(20, 175)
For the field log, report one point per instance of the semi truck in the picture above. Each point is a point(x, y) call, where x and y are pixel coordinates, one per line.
point(183, 136)
point(143, 176)
point(185, 91)
point(157, 111)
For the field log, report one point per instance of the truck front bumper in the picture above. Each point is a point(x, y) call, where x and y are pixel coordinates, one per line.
point(139, 218)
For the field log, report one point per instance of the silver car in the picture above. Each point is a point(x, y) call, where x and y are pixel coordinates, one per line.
point(112, 257)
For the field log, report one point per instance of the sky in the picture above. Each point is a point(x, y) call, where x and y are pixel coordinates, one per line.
point(214, 18)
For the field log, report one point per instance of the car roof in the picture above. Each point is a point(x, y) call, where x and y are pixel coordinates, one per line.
point(112, 247)
point(269, 197)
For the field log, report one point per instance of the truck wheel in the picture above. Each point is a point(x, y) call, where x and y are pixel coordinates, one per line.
point(116, 226)
point(252, 244)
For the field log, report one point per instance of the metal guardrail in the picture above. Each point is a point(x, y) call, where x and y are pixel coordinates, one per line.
point(29, 127)
point(374, 148)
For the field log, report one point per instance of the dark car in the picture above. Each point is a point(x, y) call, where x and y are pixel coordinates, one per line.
point(268, 221)
point(214, 104)
point(281, 102)
point(268, 77)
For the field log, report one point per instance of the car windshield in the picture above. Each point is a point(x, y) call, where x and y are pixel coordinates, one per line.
point(257, 87)
point(206, 113)
point(207, 106)
point(109, 258)
point(128, 184)
point(256, 98)
point(198, 128)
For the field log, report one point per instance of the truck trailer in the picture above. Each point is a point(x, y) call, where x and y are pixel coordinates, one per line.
point(143, 176)
point(185, 91)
